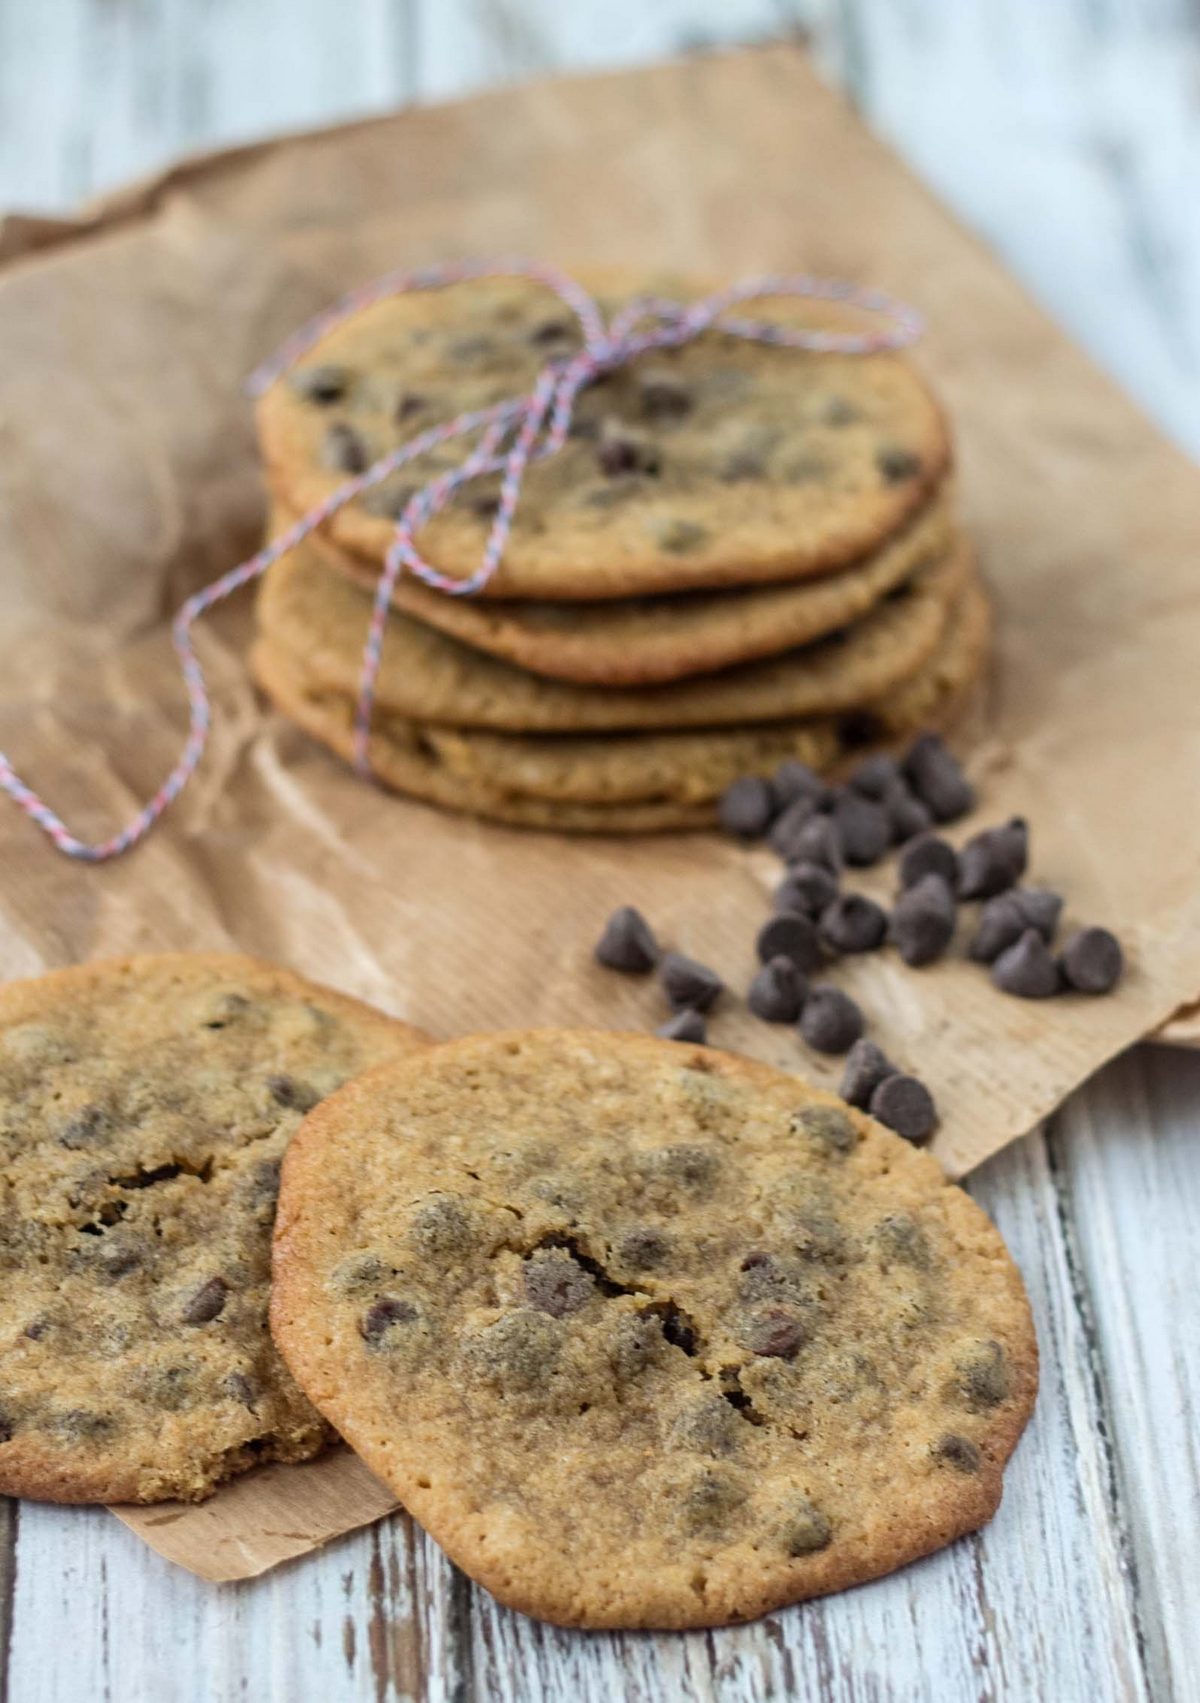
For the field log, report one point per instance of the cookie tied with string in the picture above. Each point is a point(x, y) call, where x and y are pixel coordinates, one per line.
point(646, 1335)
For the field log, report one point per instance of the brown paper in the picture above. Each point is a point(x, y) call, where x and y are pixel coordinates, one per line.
point(128, 478)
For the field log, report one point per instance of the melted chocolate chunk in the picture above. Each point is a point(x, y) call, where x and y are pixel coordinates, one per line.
point(343, 450)
point(556, 1284)
point(958, 1452)
point(286, 1091)
point(207, 1303)
point(772, 1333)
point(383, 1316)
point(806, 1529)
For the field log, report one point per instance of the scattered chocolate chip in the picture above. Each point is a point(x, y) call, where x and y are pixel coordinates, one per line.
point(831, 1021)
point(905, 1105)
point(322, 384)
point(676, 535)
point(863, 827)
point(619, 450)
point(408, 404)
point(983, 1377)
point(777, 992)
point(807, 888)
point(485, 507)
point(772, 1332)
point(628, 943)
point(1001, 924)
point(521, 1349)
point(788, 825)
point(37, 1330)
point(929, 855)
point(379, 1318)
point(875, 775)
point(663, 396)
point(806, 1529)
point(343, 450)
point(286, 1091)
point(827, 1126)
point(935, 775)
point(239, 1388)
point(1092, 960)
point(551, 331)
point(905, 812)
point(1041, 909)
point(866, 1067)
point(958, 1452)
point(688, 984)
point(922, 923)
point(853, 923)
point(793, 780)
point(789, 935)
point(207, 1303)
point(1026, 968)
point(643, 1249)
point(443, 1230)
point(993, 860)
point(817, 841)
point(896, 463)
point(747, 807)
point(557, 1284)
point(684, 1026)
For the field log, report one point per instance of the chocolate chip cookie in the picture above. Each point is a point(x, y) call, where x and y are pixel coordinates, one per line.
point(647, 641)
point(724, 463)
point(312, 613)
point(647, 1335)
point(145, 1105)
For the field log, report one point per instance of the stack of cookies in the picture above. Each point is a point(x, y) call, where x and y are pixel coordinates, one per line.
point(743, 554)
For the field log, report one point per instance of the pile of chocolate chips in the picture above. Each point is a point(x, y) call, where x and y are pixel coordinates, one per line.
point(818, 830)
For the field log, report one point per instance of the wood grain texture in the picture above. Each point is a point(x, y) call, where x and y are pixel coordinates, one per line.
point(1069, 136)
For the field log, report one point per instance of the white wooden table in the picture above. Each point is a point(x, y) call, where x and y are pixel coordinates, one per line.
point(1068, 133)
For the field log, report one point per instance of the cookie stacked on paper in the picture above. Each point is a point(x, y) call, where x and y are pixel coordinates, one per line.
point(742, 554)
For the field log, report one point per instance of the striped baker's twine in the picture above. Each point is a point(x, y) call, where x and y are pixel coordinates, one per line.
point(510, 436)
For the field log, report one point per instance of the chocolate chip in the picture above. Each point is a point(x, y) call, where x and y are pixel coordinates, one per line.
point(896, 463)
point(827, 1126)
point(286, 1091)
point(747, 807)
point(929, 855)
point(551, 331)
point(788, 825)
point(1041, 909)
point(322, 384)
point(117, 1256)
point(239, 1388)
point(628, 943)
point(443, 1230)
point(471, 350)
point(768, 1277)
point(689, 985)
point(619, 450)
point(875, 775)
point(807, 888)
point(901, 1238)
point(708, 1425)
point(831, 1022)
point(556, 1284)
point(936, 776)
point(710, 1500)
point(521, 1349)
point(678, 536)
point(684, 1026)
point(777, 992)
point(773, 1333)
point(37, 1330)
point(853, 923)
point(379, 1318)
point(958, 1452)
point(344, 450)
point(993, 860)
point(636, 1343)
point(863, 827)
point(662, 395)
point(485, 507)
point(643, 1249)
point(840, 411)
point(866, 1067)
point(1001, 924)
point(905, 812)
point(793, 780)
point(806, 1529)
point(817, 841)
point(1026, 968)
point(905, 1105)
point(741, 464)
point(922, 922)
point(407, 405)
point(1092, 960)
point(207, 1303)
point(86, 1129)
point(789, 935)
point(983, 1378)
point(81, 1425)
point(6, 1427)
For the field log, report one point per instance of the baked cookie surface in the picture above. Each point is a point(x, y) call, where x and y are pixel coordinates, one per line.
point(145, 1105)
point(722, 463)
point(312, 613)
point(647, 1335)
point(651, 640)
